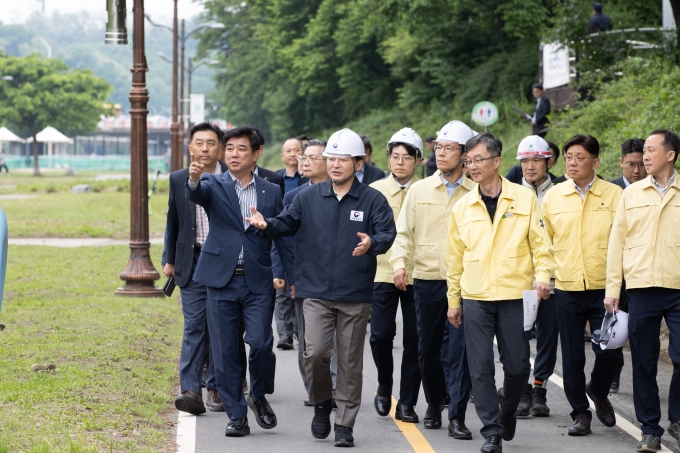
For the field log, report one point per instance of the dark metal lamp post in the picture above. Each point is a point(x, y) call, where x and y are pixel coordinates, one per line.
point(139, 274)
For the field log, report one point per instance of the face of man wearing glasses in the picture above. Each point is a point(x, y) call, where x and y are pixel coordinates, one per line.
point(581, 165)
point(402, 164)
point(633, 167)
point(480, 163)
point(448, 156)
point(314, 164)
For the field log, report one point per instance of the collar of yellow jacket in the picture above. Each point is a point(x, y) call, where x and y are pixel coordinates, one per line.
point(394, 188)
point(508, 191)
point(467, 182)
point(596, 188)
point(647, 182)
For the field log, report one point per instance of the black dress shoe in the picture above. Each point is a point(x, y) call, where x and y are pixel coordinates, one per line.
point(458, 430)
point(493, 444)
point(285, 343)
point(603, 408)
point(406, 414)
point(433, 417)
point(616, 382)
point(321, 423)
point(525, 404)
point(507, 419)
point(447, 399)
point(238, 427)
point(383, 401)
point(264, 415)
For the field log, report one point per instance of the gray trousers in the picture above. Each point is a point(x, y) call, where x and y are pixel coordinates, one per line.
point(284, 315)
point(504, 320)
point(348, 320)
point(300, 318)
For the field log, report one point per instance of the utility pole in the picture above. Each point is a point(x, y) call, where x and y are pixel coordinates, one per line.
point(182, 147)
point(175, 152)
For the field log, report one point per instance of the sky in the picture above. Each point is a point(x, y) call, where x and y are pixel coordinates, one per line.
point(12, 11)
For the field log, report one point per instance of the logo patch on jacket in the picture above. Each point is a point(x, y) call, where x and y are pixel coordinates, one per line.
point(357, 216)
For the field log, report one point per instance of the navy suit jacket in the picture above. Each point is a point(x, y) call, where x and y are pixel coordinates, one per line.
point(220, 252)
point(372, 174)
point(282, 172)
point(619, 182)
point(272, 177)
point(180, 228)
point(542, 111)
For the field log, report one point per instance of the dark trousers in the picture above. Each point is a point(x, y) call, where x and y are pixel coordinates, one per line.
point(5, 167)
point(647, 307)
point(574, 309)
point(284, 315)
point(456, 369)
point(546, 339)
point(195, 338)
point(228, 307)
point(431, 306)
point(505, 320)
point(386, 299)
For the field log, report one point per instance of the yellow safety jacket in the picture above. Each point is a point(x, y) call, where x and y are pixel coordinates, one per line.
point(497, 261)
point(579, 230)
point(395, 197)
point(644, 246)
point(422, 227)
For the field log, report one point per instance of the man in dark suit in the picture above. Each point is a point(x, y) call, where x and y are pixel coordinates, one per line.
point(186, 231)
point(539, 122)
point(291, 151)
point(368, 173)
point(632, 167)
point(235, 265)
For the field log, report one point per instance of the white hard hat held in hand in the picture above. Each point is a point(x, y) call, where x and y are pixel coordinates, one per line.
point(614, 331)
point(455, 131)
point(533, 146)
point(407, 136)
point(346, 143)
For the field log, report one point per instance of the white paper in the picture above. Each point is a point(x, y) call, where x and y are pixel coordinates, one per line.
point(530, 299)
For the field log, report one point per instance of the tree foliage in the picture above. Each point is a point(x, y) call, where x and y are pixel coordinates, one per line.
point(44, 93)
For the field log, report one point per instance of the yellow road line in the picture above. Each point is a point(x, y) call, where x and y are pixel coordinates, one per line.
point(411, 433)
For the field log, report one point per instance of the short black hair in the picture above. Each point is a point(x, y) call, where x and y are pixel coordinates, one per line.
point(302, 145)
point(429, 139)
point(367, 144)
point(597, 6)
point(303, 137)
point(409, 149)
point(255, 136)
point(588, 142)
point(555, 149)
point(632, 145)
point(313, 142)
point(493, 144)
point(206, 126)
point(671, 141)
point(537, 85)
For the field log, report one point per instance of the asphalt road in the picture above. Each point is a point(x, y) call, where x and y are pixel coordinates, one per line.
point(381, 434)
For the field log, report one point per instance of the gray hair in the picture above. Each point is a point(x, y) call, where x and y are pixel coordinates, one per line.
point(493, 144)
point(315, 143)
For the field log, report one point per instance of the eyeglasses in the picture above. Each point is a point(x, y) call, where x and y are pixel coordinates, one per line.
point(312, 160)
point(633, 165)
point(450, 149)
point(404, 159)
point(468, 162)
point(578, 159)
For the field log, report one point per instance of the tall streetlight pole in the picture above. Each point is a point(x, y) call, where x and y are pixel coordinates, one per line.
point(139, 275)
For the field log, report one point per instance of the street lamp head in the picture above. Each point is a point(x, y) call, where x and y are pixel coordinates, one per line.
point(116, 31)
point(213, 62)
point(217, 26)
point(8, 78)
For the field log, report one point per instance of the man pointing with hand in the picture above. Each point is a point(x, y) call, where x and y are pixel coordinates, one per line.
point(341, 226)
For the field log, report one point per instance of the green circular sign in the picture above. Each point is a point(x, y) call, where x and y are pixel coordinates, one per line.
point(485, 113)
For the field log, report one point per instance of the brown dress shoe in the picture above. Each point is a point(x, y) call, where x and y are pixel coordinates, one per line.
point(214, 402)
point(581, 426)
point(603, 408)
point(191, 402)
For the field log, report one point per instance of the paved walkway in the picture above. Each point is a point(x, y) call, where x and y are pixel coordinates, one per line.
point(74, 242)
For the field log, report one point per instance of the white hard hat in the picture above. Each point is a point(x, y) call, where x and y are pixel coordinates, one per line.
point(614, 331)
point(533, 146)
point(455, 131)
point(345, 142)
point(407, 136)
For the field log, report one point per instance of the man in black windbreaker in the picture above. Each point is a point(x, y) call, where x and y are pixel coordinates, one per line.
point(341, 226)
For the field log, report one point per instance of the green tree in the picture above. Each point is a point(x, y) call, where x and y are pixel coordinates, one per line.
point(43, 92)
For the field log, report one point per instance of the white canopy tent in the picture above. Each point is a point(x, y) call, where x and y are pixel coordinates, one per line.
point(51, 136)
point(8, 136)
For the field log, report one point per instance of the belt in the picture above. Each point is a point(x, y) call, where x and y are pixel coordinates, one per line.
point(240, 270)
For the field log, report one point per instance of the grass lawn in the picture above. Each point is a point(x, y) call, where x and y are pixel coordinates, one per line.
point(53, 211)
point(116, 358)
